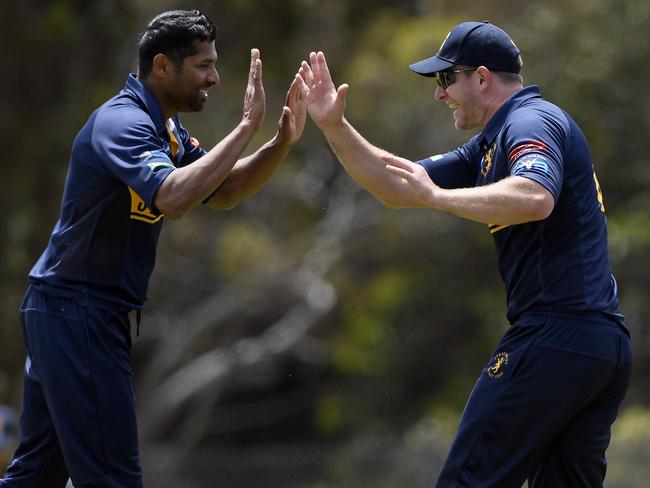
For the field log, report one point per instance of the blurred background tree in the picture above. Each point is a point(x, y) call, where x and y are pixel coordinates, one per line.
point(310, 337)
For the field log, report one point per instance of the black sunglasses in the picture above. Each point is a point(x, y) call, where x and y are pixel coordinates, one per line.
point(446, 78)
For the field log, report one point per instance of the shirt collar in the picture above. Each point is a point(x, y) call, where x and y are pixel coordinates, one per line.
point(495, 124)
point(152, 106)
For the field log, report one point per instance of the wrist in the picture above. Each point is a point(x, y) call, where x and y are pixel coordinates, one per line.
point(332, 129)
point(249, 126)
point(439, 199)
point(280, 142)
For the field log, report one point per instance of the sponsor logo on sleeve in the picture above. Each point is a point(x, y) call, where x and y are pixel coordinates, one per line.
point(527, 147)
point(156, 159)
point(155, 154)
point(532, 163)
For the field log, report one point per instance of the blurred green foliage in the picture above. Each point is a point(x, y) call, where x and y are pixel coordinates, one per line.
point(310, 312)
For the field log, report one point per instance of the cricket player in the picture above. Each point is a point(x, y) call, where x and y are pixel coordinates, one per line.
point(132, 166)
point(543, 406)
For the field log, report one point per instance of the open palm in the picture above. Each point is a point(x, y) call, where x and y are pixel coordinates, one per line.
point(254, 97)
point(325, 103)
point(294, 113)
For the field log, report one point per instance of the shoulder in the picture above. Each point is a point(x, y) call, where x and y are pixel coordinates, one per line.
point(122, 117)
point(538, 111)
point(471, 147)
point(538, 120)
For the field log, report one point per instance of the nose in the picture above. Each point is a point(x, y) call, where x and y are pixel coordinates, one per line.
point(440, 94)
point(213, 77)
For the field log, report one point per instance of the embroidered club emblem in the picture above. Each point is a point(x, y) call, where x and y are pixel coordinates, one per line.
point(486, 164)
point(497, 368)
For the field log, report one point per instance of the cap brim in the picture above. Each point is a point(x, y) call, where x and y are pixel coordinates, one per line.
point(430, 66)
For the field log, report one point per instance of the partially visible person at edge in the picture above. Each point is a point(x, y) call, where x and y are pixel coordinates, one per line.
point(543, 406)
point(7, 435)
point(132, 164)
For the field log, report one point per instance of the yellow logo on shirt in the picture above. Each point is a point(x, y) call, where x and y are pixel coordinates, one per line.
point(500, 362)
point(140, 211)
point(486, 164)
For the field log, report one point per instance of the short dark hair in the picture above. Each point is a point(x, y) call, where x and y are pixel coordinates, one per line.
point(510, 78)
point(506, 77)
point(175, 34)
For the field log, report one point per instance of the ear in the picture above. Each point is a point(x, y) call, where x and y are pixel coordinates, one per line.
point(161, 65)
point(484, 74)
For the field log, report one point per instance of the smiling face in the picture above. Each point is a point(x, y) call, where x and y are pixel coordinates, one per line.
point(186, 89)
point(465, 98)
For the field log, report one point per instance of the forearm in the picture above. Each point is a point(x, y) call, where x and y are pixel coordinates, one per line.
point(188, 186)
point(363, 162)
point(249, 174)
point(514, 200)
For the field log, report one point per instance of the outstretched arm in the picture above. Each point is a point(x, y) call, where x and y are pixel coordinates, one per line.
point(250, 173)
point(326, 107)
point(513, 200)
point(398, 182)
point(186, 187)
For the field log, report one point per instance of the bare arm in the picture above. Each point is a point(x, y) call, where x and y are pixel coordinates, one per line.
point(398, 182)
point(513, 200)
point(250, 173)
point(186, 187)
point(326, 106)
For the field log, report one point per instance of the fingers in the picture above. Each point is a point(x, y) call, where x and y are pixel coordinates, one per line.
point(323, 69)
point(304, 89)
point(396, 161)
point(402, 173)
point(313, 60)
point(342, 92)
point(320, 68)
point(255, 73)
point(285, 118)
point(296, 97)
point(294, 93)
point(306, 73)
point(316, 71)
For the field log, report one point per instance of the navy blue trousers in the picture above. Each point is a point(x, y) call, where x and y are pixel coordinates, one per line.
point(543, 406)
point(78, 414)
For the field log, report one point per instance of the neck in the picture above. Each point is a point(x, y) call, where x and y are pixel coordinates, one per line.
point(500, 97)
point(158, 93)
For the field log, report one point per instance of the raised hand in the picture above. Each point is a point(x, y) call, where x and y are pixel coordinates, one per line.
point(325, 103)
point(294, 113)
point(254, 98)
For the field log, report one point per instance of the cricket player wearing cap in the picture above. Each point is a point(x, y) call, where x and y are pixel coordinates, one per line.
point(543, 406)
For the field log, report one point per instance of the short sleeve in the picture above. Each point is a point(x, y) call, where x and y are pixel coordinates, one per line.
point(128, 146)
point(535, 142)
point(455, 169)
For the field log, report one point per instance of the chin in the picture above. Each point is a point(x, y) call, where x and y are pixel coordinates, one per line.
point(460, 125)
point(197, 105)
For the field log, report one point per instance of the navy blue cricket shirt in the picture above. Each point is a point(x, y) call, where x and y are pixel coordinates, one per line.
point(103, 247)
point(560, 263)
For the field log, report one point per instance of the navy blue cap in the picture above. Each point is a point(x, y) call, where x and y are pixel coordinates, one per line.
point(473, 44)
